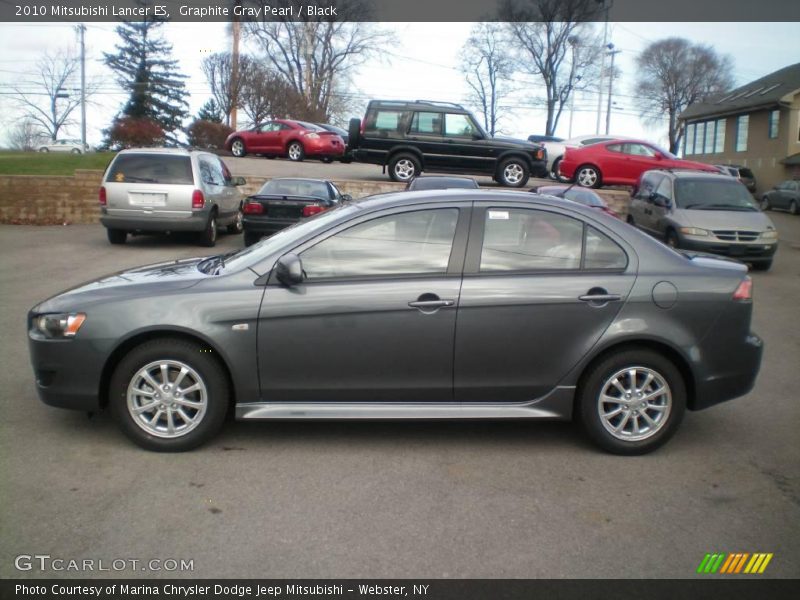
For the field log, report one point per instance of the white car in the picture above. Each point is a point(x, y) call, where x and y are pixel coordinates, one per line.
point(555, 150)
point(73, 146)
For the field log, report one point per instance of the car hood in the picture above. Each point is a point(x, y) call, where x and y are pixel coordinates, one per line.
point(724, 219)
point(141, 281)
point(515, 143)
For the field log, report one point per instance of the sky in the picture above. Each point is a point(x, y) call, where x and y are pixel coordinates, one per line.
point(422, 65)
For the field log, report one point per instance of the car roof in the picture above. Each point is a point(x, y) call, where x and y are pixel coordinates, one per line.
point(429, 105)
point(689, 173)
point(176, 151)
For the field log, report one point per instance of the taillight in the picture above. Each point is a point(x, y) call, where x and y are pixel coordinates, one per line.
point(363, 123)
point(198, 200)
point(102, 196)
point(312, 209)
point(745, 290)
point(253, 208)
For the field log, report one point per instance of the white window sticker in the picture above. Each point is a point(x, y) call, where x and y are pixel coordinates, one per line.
point(501, 215)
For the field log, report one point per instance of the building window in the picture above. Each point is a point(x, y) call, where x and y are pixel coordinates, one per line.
point(774, 118)
point(719, 142)
point(742, 123)
point(709, 144)
point(700, 136)
point(689, 139)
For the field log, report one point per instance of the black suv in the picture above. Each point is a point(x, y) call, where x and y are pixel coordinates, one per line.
point(411, 137)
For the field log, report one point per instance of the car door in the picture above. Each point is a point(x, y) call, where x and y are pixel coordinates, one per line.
point(642, 203)
point(425, 131)
point(467, 149)
point(265, 137)
point(533, 303)
point(374, 320)
point(660, 207)
point(638, 159)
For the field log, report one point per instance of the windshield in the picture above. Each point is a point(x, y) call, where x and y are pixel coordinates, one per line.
point(295, 187)
point(710, 194)
point(310, 126)
point(284, 239)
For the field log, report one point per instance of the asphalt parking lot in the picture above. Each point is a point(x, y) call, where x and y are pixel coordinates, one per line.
point(324, 500)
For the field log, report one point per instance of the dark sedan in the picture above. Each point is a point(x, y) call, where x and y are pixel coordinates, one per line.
point(455, 304)
point(785, 195)
point(284, 201)
point(440, 182)
point(583, 196)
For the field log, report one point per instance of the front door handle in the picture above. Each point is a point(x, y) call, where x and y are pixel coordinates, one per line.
point(430, 303)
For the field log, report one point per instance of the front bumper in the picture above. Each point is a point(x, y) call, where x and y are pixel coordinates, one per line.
point(745, 252)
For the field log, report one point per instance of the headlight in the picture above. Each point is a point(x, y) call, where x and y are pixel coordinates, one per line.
point(694, 231)
point(769, 234)
point(312, 136)
point(59, 326)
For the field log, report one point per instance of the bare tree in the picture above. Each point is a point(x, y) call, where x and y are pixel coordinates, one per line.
point(225, 87)
point(674, 73)
point(487, 68)
point(25, 134)
point(265, 95)
point(315, 56)
point(555, 42)
point(46, 99)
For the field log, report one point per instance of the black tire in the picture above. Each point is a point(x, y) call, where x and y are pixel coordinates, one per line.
point(208, 237)
point(588, 176)
point(327, 159)
point(236, 227)
point(251, 238)
point(762, 266)
point(404, 167)
point(620, 363)
point(75, 151)
point(238, 149)
point(513, 172)
point(630, 221)
point(354, 133)
point(295, 152)
point(210, 372)
point(671, 239)
point(765, 205)
point(554, 169)
point(45, 150)
point(793, 207)
point(117, 236)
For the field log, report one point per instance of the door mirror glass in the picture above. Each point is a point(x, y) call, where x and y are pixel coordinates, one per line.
point(289, 270)
point(347, 198)
point(237, 181)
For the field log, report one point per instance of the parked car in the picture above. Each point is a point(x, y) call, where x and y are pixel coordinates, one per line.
point(347, 157)
point(285, 201)
point(72, 146)
point(741, 173)
point(409, 137)
point(785, 195)
point(458, 304)
point(580, 195)
point(620, 163)
point(538, 139)
point(440, 182)
point(703, 212)
point(149, 190)
point(296, 140)
point(555, 149)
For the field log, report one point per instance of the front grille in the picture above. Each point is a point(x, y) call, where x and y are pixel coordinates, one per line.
point(732, 235)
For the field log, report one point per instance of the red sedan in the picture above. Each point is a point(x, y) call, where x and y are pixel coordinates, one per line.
point(619, 162)
point(296, 140)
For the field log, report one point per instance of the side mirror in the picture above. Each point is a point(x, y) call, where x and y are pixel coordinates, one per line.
point(659, 157)
point(289, 270)
point(347, 198)
point(237, 181)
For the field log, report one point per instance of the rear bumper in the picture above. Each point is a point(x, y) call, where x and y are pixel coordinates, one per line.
point(194, 222)
point(322, 148)
point(266, 225)
point(739, 377)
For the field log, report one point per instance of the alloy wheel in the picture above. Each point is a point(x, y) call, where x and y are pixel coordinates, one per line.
point(404, 169)
point(237, 148)
point(587, 177)
point(513, 173)
point(634, 403)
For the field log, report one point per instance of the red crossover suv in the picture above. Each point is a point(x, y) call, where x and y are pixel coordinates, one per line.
point(282, 137)
point(619, 162)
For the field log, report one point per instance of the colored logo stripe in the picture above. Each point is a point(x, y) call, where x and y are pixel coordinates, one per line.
point(735, 563)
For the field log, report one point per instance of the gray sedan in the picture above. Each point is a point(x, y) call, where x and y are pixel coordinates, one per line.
point(456, 304)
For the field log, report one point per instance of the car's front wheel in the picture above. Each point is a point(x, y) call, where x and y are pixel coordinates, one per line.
point(169, 395)
point(632, 401)
point(588, 176)
point(793, 207)
point(208, 237)
point(404, 167)
point(513, 172)
point(765, 203)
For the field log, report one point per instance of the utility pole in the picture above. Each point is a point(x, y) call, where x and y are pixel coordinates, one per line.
point(572, 108)
point(613, 53)
point(234, 83)
point(82, 30)
point(607, 4)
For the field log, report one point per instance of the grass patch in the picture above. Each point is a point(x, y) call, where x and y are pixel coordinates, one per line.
point(51, 163)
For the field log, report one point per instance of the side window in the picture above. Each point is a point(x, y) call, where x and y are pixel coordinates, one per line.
point(638, 150)
point(410, 243)
point(267, 127)
point(206, 174)
point(602, 252)
point(389, 120)
point(664, 189)
point(530, 240)
point(614, 148)
point(458, 126)
point(215, 171)
point(226, 174)
point(649, 185)
point(426, 122)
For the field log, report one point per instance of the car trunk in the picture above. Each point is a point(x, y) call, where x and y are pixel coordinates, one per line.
point(283, 207)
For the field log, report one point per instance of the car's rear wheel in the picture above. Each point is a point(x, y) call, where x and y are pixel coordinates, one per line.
point(75, 151)
point(238, 148)
point(632, 401)
point(554, 169)
point(353, 133)
point(765, 203)
point(117, 236)
point(208, 237)
point(513, 172)
point(588, 176)
point(236, 226)
point(44, 150)
point(295, 152)
point(169, 395)
point(404, 167)
point(793, 207)
point(672, 239)
point(251, 238)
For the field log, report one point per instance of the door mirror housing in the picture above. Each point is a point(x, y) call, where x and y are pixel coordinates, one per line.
point(477, 136)
point(661, 201)
point(347, 198)
point(237, 181)
point(289, 270)
point(659, 156)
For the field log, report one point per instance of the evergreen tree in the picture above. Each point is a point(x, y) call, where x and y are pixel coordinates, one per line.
point(210, 112)
point(144, 68)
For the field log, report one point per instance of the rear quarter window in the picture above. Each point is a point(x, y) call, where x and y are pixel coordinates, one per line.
point(151, 168)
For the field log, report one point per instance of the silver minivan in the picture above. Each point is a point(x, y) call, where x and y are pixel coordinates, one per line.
point(703, 212)
point(169, 189)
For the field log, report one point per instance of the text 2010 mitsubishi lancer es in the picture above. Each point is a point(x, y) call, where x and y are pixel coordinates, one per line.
point(455, 304)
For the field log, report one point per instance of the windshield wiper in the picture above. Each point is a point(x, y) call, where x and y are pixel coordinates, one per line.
point(215, 262)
